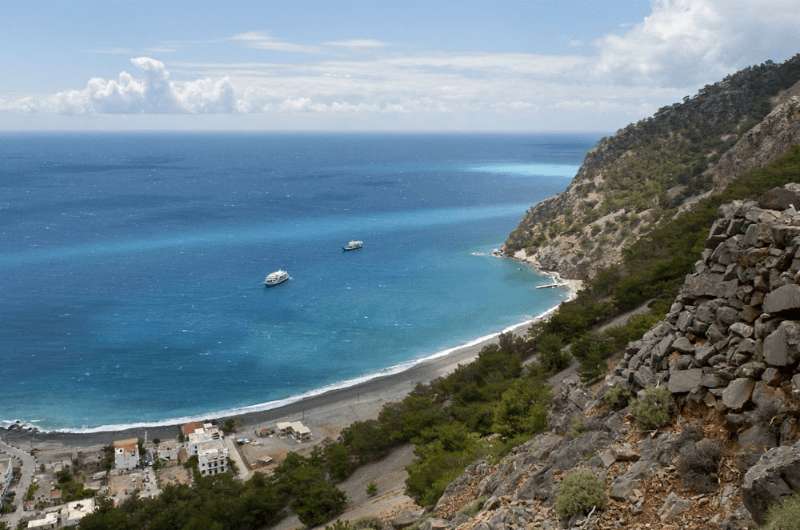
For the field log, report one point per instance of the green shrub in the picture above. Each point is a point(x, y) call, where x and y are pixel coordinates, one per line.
point(550, 349)
point(441, 457)
point(653, 409)
point(579, 492)
point(472, 509)
point(321, 502)
point(617, 397)
point(340, 525)
point(522, 408)
point(784, 516)
point(576, 426)
point(368, 523)
point(372, 489)
point(592, 350)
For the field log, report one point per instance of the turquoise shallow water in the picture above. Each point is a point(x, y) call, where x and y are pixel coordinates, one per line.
point(132, 264)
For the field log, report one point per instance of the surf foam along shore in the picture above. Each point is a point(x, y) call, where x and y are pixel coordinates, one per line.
point(469, 350)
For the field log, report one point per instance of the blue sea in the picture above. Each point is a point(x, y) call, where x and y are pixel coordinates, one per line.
point(131, 265)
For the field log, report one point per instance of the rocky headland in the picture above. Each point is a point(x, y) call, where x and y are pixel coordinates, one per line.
point(651, 170)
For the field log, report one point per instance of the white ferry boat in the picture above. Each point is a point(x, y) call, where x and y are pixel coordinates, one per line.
point(276, 278)
point(353, 245)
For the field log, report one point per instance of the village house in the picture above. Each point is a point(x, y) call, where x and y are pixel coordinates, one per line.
point(295, 429)
point(73, 512)
point(48, 522)
point(205, 433)
point(65, 516)
point(126, 454)
point(212, 457)
point(168, 450)
point(189, 428)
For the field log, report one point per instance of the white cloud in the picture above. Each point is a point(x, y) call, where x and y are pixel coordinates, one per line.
point(357, 44)
point(690, 42)
point(680, 46)
point(261, 40)
point(152, 92)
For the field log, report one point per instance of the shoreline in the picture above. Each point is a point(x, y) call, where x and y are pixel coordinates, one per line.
point(320, 406)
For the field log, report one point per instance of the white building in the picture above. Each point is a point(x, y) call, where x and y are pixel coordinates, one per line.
point(48, 522)
point(126, 454)
point(6, 475)
point(73, 512)
point(212, 457)
point(294, 428)
point(206, 433)
point(168, 450)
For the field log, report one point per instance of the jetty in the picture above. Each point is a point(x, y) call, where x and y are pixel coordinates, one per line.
point(552, 285)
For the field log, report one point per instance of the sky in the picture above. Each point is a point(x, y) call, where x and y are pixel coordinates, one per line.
point(359, 65)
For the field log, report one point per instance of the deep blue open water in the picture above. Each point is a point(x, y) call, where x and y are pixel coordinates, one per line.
point(131, 265)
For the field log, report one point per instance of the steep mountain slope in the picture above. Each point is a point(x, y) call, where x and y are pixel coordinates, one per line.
point(711, 441)
point(646, 171)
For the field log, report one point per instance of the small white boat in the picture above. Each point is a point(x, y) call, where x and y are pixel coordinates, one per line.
point(276, 278)
point(353, 245)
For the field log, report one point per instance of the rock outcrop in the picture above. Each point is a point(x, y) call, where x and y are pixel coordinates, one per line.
point(774, 477)
point(731, 340)
point(762, 144)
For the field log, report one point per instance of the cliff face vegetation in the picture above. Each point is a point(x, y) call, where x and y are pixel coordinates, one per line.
point(649, 170)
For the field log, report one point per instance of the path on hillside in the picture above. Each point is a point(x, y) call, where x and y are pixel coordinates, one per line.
point(26, 478)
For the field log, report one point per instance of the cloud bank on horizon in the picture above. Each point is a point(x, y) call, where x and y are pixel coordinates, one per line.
point(679, 46)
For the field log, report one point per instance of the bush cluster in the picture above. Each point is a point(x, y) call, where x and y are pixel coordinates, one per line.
point(784, 516)
point(653, 409)
point(579, 492)
point(617, 397)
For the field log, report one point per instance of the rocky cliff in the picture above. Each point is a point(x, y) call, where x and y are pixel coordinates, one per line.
point(723, 368)
point(650, 169)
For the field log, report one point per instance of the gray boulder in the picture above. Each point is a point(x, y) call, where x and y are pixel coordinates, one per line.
point(782, 345)
point(683, 345)
point(742, 329)
point(784, 298)
point(406, 518)
point(644, 377)
point(775, 476)
point(622, 487)
point(779, 199)
point(681, 381)
point(738, 393)
point(673, 506)
point(709, 285)
point(434, 524)
point(704, 353)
